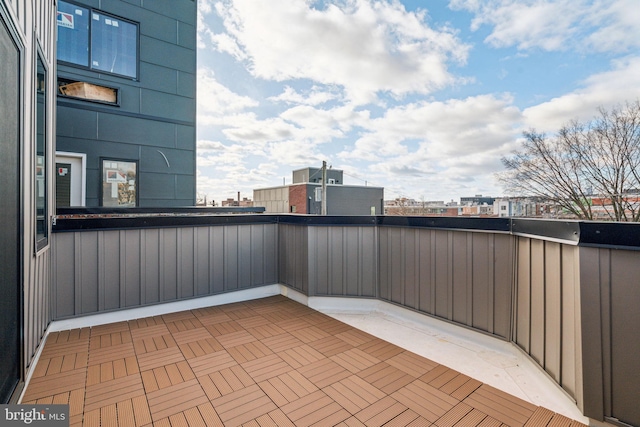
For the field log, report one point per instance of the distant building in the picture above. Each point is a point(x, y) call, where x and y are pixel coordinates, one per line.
point(304, 195)
point(478, 199)
point(523, 207)
point(244, 202)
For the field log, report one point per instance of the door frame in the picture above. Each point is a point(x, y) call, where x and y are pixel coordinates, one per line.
point(83, 173)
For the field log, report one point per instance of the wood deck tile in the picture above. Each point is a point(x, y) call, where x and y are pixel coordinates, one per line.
point(240, 313)
point(454, 415)
point(472, 419)
point(324, 372)
point(266, 367)
point(195, 334)
point(330, 346)
point(224, 328)
point(406, 418)
point(210, 363)
point(56, 383)
point(125, 416)
point(209, 415)
point(310, 334)
point(178, 398)
point(54, 349)
point(381, 412)
point(144, 322)
point(110, 353)
point(275, 418)
point(500, 405)
point(253, 321)
point(282, 342)
point(411, 363)
point(466, 389)
point(225, 381)
point(354, 360)
point(300, 356)
point(540, 417)
point(212, 318)
point(193, 418)
point(427, 401)
point(149, 331)
point(243, 405)
point(249, 351)
point(353, 393)
point(351, 422)
point(386, 377)
point(292, 324)
point(109, 328)
point(380, 349)
point(201, 347)
point(111, 392)
point(160, 358)
point(559, 421)
point(177, 316)
point(334, 327)
point(315, 408)
point(265, 331)
point(287, 388)
point(355, 337)
point(276, 317)
point(490, 422)
point(184, 325)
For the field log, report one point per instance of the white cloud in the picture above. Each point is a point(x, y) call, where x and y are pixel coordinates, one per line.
point(216, 100)
point(557, 25)
point(366, 47)
point(607, 89)
point(314, 97)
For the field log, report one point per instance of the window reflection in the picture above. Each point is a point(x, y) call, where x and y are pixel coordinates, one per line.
point(41, 175)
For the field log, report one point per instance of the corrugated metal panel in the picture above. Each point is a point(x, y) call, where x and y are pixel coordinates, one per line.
point(107, 270)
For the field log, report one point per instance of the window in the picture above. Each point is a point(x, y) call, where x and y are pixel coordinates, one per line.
point(41, 173)
point(93, 39)
point(119, 183)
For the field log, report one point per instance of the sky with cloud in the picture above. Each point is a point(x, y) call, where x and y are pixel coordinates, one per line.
point(421, 98)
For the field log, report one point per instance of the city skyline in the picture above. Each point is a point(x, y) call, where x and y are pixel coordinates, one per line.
point(423, 101)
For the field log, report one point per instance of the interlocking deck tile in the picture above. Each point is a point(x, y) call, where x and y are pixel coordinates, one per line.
point(200, 348)
point(160, 358)
point(386, 377)
point(354, 360)
point(224, 328)
point(184, 325)
point(381, 412)
point(278, 353)
point(287, 388)
point(266, 367)
point(225, 381)
point(500, 405)
point(324, 372)
point(310, 334)
point(250, 351)
point(110, 353)
point(427, 401)
point(282, 342)
point(55, 384)
point(265, 331)
point(380, 349)
point(353, 393)
point(411, 363)
point(174, 399)
point(454, 415)
point(243, 405)
point(113, 391)
point(300, 356)
point(207, 364)
point(315, 409)
point(330, 346)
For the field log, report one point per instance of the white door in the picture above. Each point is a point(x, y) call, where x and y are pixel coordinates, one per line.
point(70, 179)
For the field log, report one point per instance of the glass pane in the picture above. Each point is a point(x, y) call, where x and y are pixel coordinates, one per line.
point(41, 155)
point(119, 183)
point(113, 45)
point(73, 34)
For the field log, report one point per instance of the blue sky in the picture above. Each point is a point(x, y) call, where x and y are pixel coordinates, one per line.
point(420, 97)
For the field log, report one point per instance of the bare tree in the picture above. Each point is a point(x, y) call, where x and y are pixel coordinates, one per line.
point(588, 169)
